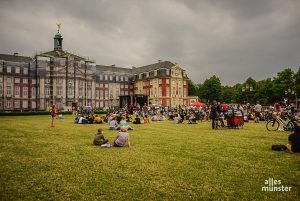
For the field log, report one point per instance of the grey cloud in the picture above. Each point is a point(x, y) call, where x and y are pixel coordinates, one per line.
point(232, 39)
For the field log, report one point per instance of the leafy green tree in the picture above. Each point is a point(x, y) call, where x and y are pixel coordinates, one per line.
point(227, 94)
point(192, 89)
point(285, 80)
point(212, 89)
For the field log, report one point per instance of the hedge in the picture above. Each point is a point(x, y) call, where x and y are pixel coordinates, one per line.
point(40, 113)
point(30, 113)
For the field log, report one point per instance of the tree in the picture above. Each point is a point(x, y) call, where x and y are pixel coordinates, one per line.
point(192, 89)
point(212, 89)
point(285, 80)
point(227, 94)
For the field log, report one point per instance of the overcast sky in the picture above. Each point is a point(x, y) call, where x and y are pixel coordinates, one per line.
point(233, 39)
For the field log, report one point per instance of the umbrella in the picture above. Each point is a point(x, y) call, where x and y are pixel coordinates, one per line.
point(198, 104)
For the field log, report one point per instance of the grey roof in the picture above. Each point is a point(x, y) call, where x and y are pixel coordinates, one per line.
point(7, 57)
point(61, 53)
point(113, 69)
point(151, 67)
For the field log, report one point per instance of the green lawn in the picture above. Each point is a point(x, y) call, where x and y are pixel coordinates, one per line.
point(166, 162)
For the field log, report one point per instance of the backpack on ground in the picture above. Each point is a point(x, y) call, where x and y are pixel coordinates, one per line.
point(279, 147)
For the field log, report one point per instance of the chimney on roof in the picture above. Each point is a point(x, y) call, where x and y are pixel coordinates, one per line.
point(159, 61)
point(16, 54)
point(114, 65)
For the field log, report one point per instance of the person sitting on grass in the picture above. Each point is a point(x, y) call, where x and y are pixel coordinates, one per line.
point(146, 119)
point(293, 145)
point(97, 120)
point(123, 122)
point(192, 119)
point(99, 138)
point(178, 118)
point(113, 124)
point(122, 138)
point(137, 120)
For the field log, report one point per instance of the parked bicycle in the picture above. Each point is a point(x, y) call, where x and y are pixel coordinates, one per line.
point(274, 123)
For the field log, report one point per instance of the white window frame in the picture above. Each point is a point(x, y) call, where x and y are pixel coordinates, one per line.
point(8, 69)
point(25, 91)
point(17, 70)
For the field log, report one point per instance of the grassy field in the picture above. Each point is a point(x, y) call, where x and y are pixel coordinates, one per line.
point(166, 162)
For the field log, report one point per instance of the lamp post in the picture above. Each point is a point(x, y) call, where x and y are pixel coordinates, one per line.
point(247, 90)
point(292, 92)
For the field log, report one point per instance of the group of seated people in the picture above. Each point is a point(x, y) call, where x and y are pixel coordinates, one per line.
point(91, 119)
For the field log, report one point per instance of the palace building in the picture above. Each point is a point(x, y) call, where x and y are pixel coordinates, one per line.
point(66, 79)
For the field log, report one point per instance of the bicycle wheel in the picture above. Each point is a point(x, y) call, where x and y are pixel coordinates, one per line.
point(272, 125)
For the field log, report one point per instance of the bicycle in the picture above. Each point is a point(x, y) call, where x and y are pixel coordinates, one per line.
point(274, 123)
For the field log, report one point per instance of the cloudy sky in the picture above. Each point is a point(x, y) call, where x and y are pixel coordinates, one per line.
point(233, 39)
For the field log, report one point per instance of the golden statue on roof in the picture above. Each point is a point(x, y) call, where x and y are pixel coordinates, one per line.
point(58, 26)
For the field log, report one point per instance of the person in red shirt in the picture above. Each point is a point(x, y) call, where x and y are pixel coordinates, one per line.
point(277, 107)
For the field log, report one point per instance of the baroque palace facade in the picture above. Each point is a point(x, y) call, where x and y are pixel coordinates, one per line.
point(68, 80)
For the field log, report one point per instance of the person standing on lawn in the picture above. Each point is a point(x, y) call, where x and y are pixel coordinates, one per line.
point(53, 113)
point(214, 114)
point(257, 110)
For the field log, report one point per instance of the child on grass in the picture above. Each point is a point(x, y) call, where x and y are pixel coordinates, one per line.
point(99, 138)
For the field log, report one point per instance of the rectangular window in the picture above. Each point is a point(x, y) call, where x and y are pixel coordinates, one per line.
point(101, 77)
point(122, 79)
point(17, 104)
point(106, 77)
point(126, 79)
point(8, 69)
point(47, 91)
point(167, 81)
point(17, 80)
point(97, 94)
point(126, 86)
point(89, 93)
point(106, 94)
point(17, 91)
point(59, 91)
point(25, 71)
point(33, 104)
point(8, 104)
point(179, 91)
point(101, 85)
point(117, 78)
point(80, 91)
point(25, 91)
point(25, 81)
point(8, 90)
point(160, 91)
point(33, 81)
point(17, 70)
point(160, 81)
point(167, 72)
point(1, 69)
point(106, 86)
point(33, 92)
point(167, 91)
point(8, 80)
point(110, 77)
point(70, 91)
point(155, 73)
point(25, 104)
point(122, 86)
point(101, 94)
point(184, 92)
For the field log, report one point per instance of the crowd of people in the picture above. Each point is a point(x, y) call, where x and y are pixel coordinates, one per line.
point(217, 113)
